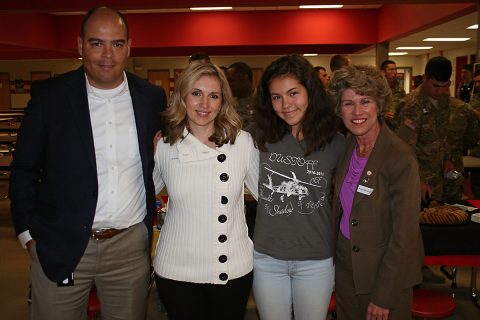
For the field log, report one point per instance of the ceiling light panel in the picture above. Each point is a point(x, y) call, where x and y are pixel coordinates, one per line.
point(413, 48)
point(447, 39)
point(325, 6)
point(210, 8)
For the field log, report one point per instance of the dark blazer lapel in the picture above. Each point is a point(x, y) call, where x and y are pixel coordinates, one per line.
point(138, 100)
point(77, 95)
point(373, 166)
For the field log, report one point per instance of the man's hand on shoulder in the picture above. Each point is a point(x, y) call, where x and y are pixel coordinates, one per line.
point(30, 245)
point(156, 138)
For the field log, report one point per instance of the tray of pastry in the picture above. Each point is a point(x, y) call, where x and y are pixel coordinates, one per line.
point(443, 214)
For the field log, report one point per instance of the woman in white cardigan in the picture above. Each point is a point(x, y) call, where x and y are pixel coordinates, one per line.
point(203, 259)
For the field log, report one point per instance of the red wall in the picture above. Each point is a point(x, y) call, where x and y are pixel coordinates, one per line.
point(399, 20)
point(41, 35)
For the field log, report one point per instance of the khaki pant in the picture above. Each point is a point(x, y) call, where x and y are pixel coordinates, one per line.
point(118, 267)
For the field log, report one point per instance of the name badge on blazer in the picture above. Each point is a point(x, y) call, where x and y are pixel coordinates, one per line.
point(364, 190)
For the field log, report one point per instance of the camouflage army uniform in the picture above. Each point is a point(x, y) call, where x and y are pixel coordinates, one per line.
point(398, 94)
point(475, 151)
point(463, 133)
point(475, 101)
point(437, 133)
point(244, 109)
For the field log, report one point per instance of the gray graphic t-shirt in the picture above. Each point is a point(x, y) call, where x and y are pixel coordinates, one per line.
point(294, 216)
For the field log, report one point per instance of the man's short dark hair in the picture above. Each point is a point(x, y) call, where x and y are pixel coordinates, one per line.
point(385, 63)
point(438, 68)
point(476, 73)
point(199, 56)
point(468, 67)
point(93, 10)
point(318, 68)
point(242, 68)
point(417, 80)
point(338, 61)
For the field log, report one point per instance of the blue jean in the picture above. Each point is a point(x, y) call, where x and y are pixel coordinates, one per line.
point(279, 284)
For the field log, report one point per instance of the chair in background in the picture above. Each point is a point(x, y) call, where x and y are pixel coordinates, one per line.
point(429, 304)
point(332, 307)
point(93, 305)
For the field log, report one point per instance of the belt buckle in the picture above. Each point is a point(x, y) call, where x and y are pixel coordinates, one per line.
point(97, 232)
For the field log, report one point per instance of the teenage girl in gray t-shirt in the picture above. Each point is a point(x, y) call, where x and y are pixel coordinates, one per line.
point(295, 131)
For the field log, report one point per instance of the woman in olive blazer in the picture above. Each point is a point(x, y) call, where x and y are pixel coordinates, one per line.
point(379, 248)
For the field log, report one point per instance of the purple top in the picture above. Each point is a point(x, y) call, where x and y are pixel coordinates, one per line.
point(349, 187)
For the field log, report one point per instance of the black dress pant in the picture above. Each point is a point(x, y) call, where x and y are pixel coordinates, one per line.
point(204, 301)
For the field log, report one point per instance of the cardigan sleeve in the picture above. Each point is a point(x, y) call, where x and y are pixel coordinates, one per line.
point(157, 169)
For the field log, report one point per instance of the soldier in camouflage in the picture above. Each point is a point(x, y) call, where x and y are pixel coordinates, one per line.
point(240, 79)
point(438, 127)
point(475, 99)
point(465, 87)
point(463, 133)
point(475, 151)
point(389, 70)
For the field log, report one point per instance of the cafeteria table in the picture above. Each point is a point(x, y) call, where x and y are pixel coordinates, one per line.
point(5, 161)
point(8, 138)
point(471, 162)
point(454, 245)
point(6, 127)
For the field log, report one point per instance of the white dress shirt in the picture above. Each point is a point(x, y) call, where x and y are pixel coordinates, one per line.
point(121, 189)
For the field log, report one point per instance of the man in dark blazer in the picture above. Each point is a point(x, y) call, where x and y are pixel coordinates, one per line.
point(82, 194)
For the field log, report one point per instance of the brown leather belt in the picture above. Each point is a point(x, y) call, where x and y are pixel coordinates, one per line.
point(102, 234)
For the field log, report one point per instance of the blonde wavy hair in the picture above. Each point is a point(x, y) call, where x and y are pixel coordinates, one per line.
point(364, 80)
point(227, 124)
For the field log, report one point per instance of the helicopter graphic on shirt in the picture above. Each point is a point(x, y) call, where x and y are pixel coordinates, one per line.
point(291, 187)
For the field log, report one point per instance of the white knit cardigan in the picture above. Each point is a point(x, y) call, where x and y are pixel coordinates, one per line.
point(190, 246)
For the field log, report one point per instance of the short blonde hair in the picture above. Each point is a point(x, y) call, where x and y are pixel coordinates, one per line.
point(227, 123)
point(364, 80)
